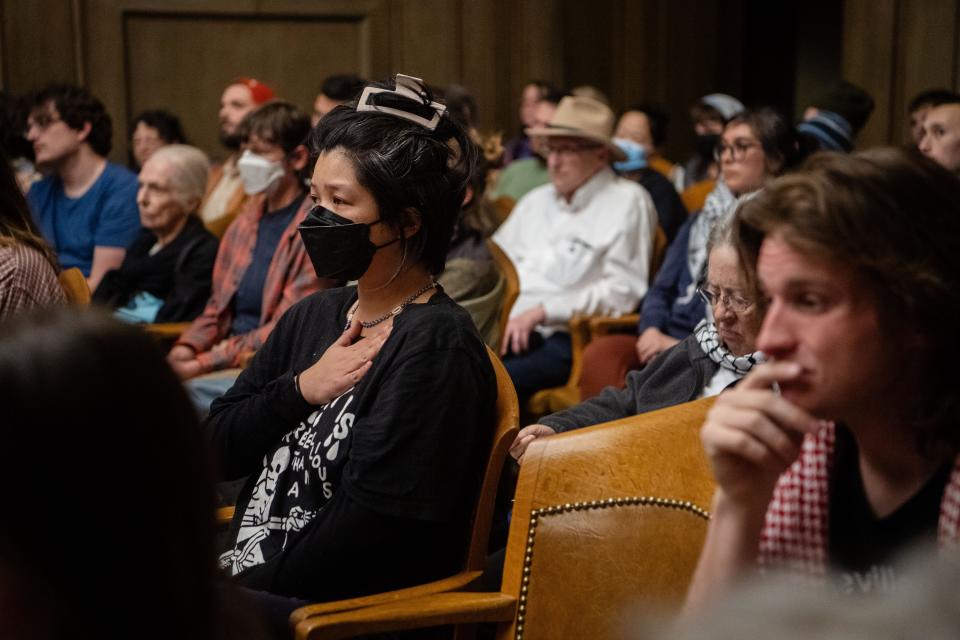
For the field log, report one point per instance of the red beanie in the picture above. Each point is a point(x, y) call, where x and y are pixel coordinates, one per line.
point(261, 93)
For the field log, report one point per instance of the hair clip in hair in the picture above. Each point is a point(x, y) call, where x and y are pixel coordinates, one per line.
point(409, 101)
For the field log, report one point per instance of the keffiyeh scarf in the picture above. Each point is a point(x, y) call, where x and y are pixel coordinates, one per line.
point(709, 340)
point(795, 536)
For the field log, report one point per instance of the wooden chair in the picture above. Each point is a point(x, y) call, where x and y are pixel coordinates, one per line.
point(502, 207)
point(605, 518)
point(166, 331)
point(695, 196)
point(512, 288)
point(583, 329)
point(75, 286)
point(505, 431)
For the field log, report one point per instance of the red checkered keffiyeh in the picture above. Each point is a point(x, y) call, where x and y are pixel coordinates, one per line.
point(794, 536)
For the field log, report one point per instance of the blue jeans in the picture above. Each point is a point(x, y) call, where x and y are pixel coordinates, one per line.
point(543, 366)
point(203, 390)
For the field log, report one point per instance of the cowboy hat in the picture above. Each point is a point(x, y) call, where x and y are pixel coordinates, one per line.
point(582, 117)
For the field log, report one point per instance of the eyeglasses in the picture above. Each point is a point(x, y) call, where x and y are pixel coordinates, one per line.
point(41, 122)
point(738, 149)
point(569, 148)
point(732, 301)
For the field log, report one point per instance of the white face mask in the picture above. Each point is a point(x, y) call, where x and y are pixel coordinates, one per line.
point(259, 174)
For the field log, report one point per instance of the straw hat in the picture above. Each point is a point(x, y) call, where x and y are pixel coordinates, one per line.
point(582, 117)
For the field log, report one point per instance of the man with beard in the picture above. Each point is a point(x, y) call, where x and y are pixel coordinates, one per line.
point(225, 196)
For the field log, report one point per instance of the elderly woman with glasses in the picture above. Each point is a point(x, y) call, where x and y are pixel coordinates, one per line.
point(757, 145)
point(719, 352)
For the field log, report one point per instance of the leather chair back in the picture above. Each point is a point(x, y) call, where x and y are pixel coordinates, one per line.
point(605, 519)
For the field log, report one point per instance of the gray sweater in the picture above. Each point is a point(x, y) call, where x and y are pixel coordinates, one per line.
point(676, 376)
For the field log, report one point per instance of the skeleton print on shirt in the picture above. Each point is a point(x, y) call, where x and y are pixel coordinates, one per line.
point(298, 478)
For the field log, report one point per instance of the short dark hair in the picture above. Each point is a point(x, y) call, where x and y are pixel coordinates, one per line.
point(404, 165)
point(277, 122)
point(933, 98)
point(126, 440)
point(167, 125)
point(779, 140)
point(13, 122)
point(554, 95)
point(342, 87)
point(701, 111)
point(658, 119)
point(77, 106)
point(891, 216)
point(461, 104)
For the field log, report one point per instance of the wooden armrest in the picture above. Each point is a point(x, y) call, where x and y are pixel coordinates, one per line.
point(166, 330)
point(245, 358)
point(225, 515)
point(603, 325)
point(454, 583)
point(414, 613)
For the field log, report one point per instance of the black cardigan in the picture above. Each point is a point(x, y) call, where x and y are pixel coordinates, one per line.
point(179, 274)
point(677, 375)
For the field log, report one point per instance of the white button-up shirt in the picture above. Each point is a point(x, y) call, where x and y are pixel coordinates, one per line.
point(590, 255)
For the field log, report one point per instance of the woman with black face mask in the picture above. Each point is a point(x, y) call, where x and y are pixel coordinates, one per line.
point(364, 421)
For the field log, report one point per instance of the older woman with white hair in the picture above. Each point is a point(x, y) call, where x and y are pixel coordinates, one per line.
point(165, 276)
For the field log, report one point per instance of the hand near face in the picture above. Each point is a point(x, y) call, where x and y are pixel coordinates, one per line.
point(527, 435)
point(342, 365)
point(516, 337)
point(651, 343)
point(752, 435)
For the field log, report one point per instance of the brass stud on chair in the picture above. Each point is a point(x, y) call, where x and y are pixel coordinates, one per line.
point(535, 515)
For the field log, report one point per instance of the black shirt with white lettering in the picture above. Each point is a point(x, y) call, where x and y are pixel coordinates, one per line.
point(373, 490)
point(863, 547)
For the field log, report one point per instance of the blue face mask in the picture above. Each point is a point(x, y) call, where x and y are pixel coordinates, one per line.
point(338, 248)
point(636, 156)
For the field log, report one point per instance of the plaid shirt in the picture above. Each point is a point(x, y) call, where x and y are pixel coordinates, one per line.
point(27, 280)
point(794, 536)
point(290, 278)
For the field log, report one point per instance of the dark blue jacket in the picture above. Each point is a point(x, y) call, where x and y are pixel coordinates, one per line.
point(661, 306)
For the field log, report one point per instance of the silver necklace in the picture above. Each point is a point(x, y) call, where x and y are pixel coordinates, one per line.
point(397, 309)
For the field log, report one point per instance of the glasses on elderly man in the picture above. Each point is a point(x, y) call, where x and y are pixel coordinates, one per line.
point(567, 148)
point(714, 296)
point(738, 149)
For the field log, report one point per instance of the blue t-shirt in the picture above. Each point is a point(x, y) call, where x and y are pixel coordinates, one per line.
point(248, 300)
point(105, 216)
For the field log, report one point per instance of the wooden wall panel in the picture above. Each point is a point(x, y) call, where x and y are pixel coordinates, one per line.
point(46, 26)
point(895, 48)
point(291, 55)
point(484, 63)
point(926, 46)
point(428, 36)
point(868, 59)
point(136, 53)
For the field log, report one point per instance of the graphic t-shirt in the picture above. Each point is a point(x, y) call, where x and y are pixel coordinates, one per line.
point(379, 480)
point(105, 216)
point(298, 478)
point(864, 549)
